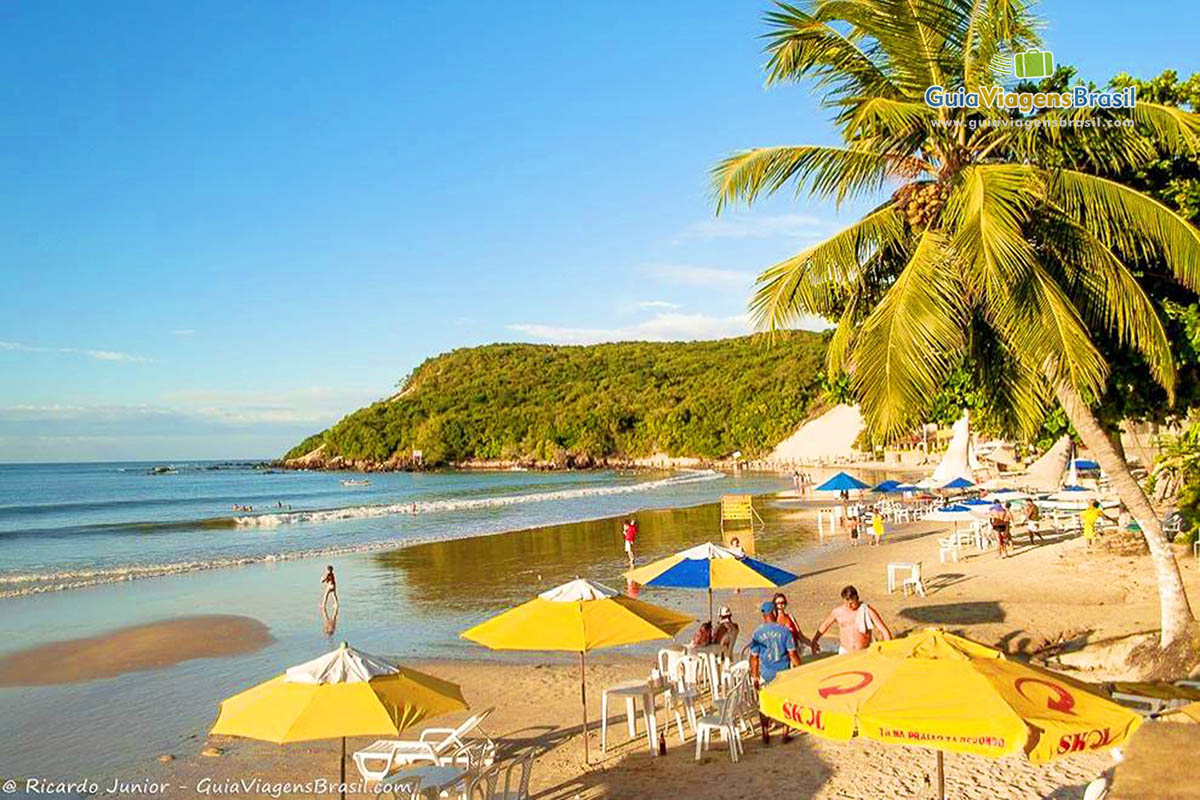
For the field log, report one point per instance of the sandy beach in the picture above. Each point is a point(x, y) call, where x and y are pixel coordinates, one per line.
point(1043, 595)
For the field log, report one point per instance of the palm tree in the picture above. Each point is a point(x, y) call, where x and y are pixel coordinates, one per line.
point(989, 253)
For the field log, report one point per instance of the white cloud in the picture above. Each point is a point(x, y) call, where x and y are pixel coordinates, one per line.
point(688, 275)
point(183, 332)
point(660, 328)
point(99, 355)
point(648, 304)
point(748, 226)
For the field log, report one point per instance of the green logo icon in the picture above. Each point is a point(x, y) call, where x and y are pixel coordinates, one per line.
point(1033, 64)
point(1030, 64)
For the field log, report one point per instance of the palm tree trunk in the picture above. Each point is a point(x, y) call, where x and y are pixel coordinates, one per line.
point(1174, 611)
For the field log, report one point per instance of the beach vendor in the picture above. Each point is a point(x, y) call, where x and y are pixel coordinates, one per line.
point(772, 650)
point(857, 624)
point(330, 583)
point(1089, 517)
point(877, 529)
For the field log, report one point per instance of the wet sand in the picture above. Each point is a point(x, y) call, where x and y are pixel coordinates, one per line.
point(134, 649)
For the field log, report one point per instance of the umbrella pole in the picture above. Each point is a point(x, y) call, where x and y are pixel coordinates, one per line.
point(583, 702)
point(710, 605)
point(342, 766)
point(941, 792)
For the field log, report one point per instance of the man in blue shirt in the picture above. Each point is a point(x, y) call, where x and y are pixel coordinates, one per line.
point(772, 650)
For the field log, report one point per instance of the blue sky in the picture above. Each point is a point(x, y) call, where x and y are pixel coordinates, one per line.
point(227, 224)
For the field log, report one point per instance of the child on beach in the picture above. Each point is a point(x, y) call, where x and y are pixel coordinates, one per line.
point(330, 591)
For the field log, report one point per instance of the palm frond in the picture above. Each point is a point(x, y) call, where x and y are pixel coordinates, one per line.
point(911, 340)
point(1175, 129)
point(836, 172)
point(986, 211)
point(1107, 294)
point(816, 280)
point(1039, 323)
point(1134, 224)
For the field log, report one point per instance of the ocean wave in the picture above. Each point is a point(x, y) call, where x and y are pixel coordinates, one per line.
point(24, 584)
point(30, 583)
point(436, 506)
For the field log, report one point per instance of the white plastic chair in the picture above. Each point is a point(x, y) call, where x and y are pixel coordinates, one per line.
point(435, 745)
point(948, 549)
point(516, 778)
point(722, 722)
point(684, 693)
point(913, 581)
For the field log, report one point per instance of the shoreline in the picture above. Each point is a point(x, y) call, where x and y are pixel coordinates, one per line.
point(1048, 598)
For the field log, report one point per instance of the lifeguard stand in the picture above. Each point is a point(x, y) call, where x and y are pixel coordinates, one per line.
point(735, 510)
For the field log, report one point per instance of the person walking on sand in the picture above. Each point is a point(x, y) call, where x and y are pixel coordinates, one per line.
point(788, 621)
point(1001, 520)
point(330, 583)
point(857, 624)
point(1033, 520)
point(630, 532)
point(1089, 517)
point(772, 650)
point(877, 529)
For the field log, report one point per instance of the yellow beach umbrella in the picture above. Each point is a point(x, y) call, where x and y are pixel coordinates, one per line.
point(577, 617)
point(1191, 711)
point(343, 693)
point(933, 689)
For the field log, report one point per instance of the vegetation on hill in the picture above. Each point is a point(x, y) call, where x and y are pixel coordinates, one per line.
point(588, 403)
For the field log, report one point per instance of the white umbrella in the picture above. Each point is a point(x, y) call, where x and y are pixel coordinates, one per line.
point(1007, 496)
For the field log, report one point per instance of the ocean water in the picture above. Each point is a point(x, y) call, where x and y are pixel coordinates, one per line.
point(68, 526)
point(90, 548)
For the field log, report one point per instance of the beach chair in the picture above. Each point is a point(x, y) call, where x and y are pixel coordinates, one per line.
point(516, 778)
point(684, 693)
point(482, 785)
point(435, 745)
point(948, 548)
point(913, 581)
point(724, 723)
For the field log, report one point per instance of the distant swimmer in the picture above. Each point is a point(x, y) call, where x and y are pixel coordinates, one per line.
point(330, 591)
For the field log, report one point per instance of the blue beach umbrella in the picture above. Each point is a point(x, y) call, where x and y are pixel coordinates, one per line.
point(710, 566)
point(885, 486)
point(959, 483)
point(975, 501)
point(1087, 465)
point(842, 482)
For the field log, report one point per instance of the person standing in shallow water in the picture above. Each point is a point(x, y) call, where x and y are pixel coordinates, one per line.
point(630, 532)
point(330, 583)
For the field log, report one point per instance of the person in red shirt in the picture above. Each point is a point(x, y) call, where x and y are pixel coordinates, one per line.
point(631, 532)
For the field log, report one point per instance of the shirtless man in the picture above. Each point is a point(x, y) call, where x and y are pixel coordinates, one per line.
point(856, 622)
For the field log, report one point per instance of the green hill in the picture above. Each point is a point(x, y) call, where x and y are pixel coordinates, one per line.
point(587, 404)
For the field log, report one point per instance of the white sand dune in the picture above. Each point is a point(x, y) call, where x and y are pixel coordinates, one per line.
point(828, 437)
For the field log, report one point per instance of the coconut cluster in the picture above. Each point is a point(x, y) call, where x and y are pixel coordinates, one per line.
point(921, 203)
